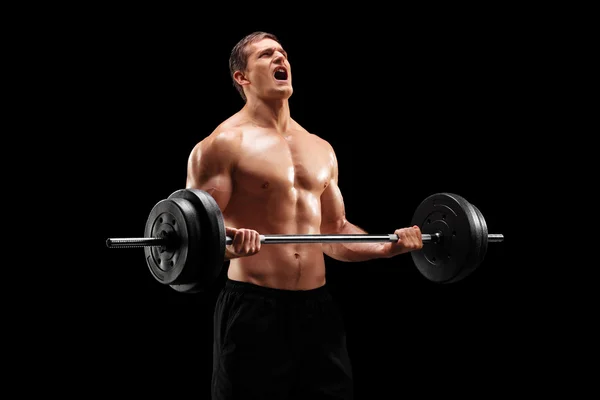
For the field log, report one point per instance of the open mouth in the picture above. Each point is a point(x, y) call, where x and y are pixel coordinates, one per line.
point(280, 74)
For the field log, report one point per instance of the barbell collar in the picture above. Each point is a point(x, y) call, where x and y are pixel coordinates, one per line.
point(495, 237)
point(136, 242)
point(166, 240)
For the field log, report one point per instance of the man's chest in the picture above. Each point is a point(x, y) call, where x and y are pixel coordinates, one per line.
point(283, 164)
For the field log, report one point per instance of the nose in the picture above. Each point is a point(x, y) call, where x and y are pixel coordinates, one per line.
point(278, 57)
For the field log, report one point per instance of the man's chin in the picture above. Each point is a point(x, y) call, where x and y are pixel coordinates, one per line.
point(282, 92)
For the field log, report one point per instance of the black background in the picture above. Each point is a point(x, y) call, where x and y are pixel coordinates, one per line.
point(412, 107)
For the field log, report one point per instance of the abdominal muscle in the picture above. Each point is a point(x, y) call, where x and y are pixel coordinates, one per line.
point(291, 266)
point(282, 266)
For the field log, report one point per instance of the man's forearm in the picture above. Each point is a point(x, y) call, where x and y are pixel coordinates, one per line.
point(353, 251)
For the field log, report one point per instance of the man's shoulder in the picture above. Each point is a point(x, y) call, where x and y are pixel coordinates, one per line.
point(229, 129)
point(312, 135)
point(226, 134)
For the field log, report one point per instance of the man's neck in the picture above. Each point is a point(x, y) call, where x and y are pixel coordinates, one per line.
point(273, 114)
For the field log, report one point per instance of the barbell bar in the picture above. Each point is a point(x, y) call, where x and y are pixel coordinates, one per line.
point(184, 239)
point(283, 239)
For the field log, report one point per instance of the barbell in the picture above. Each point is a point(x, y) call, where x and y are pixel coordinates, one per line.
point(184, 239)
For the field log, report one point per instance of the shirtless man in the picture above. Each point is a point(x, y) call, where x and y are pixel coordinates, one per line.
point(277, 333)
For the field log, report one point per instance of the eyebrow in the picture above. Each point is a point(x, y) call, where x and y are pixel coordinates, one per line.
point(272, 49)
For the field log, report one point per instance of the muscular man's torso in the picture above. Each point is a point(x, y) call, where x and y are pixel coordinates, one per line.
point(277, 182)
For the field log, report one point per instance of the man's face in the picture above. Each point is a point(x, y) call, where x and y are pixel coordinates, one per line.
point(268, 70)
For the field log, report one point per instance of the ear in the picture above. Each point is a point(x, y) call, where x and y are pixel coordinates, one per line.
point(240, 78)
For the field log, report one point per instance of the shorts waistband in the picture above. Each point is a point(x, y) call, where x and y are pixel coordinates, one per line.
point(284, 294)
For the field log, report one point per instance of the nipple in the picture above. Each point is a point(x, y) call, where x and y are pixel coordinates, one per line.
point(265, 185)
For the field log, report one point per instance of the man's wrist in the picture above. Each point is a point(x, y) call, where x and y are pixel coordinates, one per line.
point(229, 255)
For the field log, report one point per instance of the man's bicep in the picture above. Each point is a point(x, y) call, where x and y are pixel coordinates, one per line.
point(218, 186)
point(210, 176)
point(333, 212)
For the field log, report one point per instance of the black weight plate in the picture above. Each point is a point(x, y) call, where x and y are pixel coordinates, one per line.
point(213, 239)
point(173, 264)
point(189, 287)
point(477, 245)
point(484, 234)
point(457, 253)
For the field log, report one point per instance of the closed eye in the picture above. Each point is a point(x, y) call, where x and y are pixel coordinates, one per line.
point(270, 52)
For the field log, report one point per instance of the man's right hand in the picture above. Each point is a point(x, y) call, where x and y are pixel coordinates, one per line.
point(246, 242)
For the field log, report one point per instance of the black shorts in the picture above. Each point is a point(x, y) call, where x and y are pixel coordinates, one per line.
point(279, 344)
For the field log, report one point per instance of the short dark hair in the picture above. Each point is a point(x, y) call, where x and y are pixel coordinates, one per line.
point(238, 60)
